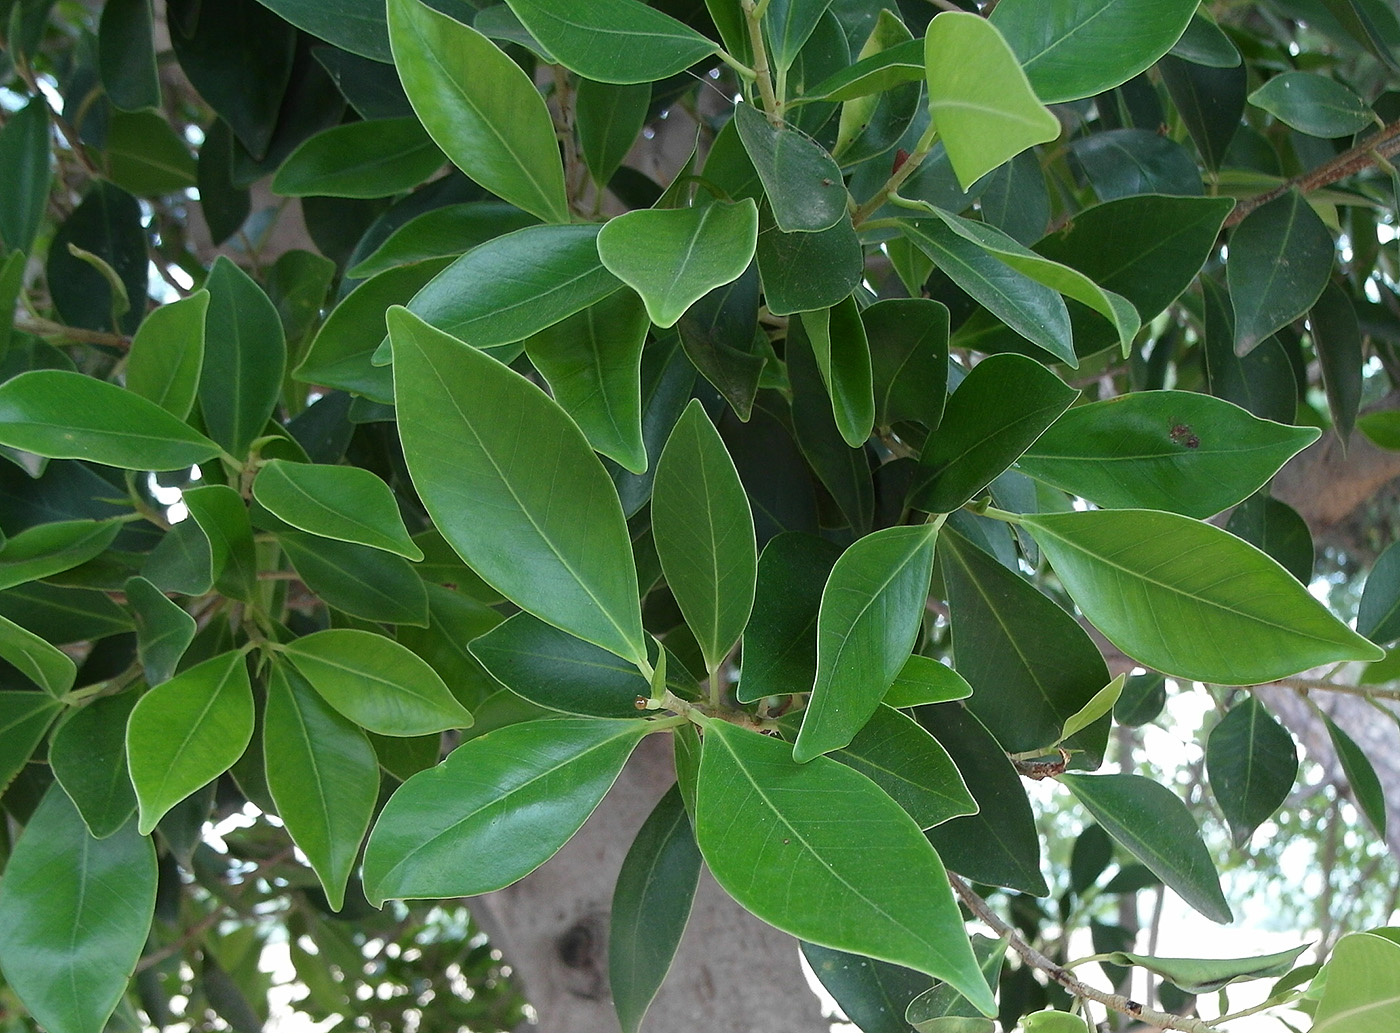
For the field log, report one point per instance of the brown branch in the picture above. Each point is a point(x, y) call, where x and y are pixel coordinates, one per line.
point(1384, 145)
point(1031, 956)
point(47, 328)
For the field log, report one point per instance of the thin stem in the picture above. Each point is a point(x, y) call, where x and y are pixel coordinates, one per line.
point(1306, 685)
point(898, 176)
point(41, 327)
point(1031, 956)
point(764, 76)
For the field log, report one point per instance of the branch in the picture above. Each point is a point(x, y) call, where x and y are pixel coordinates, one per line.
point(1369, 152)
point(1031, 956)
point(47, 328)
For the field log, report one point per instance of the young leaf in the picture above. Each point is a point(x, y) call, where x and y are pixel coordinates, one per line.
point(167, 354)
point(1099, 706)
point(978, 96)
point(374, 158)
point(704, 534)
point(88, 757)
point(1212, 594)
point(801, 180)
point(886, 893)
point(1366, 787)
point(923, 680)
point(875, 73)
point(491, 121)
point(1280, 258)
point(871, 610)
point(323, 776)
point(1252, 763)
point(375, 682)
point(188, 731)
point(76, 912)
point(1157, 829)
point(1207, 975)
point(499, 807)
point(843, 357)
point(345, 503)
point(650, 907)
point(673, 257)
point(1362, 991)
point(613, 41)
point(494, 493)
point(898, 755)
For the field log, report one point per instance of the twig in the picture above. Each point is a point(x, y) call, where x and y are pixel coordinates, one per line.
point(40, 327)
point(1306, 685)
point(1031, 956)
point(752, 13)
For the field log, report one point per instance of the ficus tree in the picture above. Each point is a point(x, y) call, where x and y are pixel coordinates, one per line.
point(896, 449)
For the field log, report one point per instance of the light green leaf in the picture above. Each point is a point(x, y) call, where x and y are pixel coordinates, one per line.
point(613, 41)
point(802, 181)
point(1366, 787)
point(843, 357)
point(500, 806)
point(1362, 992)
point(870, 614)
point(703, 527)
point(492, 456)
point(1252, 763)
point(674, 257)
point(167, 354)
point(245, 353)
point(45, 549)
point(1079, 48)
point(923, 680)
point(1156, 828)
point(374, 158)
point(76, 912)
point(978, 96)
point(64, 415)
point(46, 665)
point(450, 230)
point(1207, 975)
point(480, 108)
point(1280, 258)
point(346, 503)
point(1101, 704)
point(375, 682)
point(88, 757)
point(188, 731)
point(1224, 612)
point(323, 775)
point(1314, 104)
point(829, 834)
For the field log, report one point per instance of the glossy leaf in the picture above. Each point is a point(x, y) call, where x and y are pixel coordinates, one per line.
point(1207, 975)
point(95, 898)
point(44, 664)
point(223, 518)
point(355, 579)
point(1078, 48)
point(375, 682)
point(908, 340)
point(780, 640)
point(997, 412)
point(875, 73)
point(1366, 787)
point(1210, 100)
point(373, 158)
point(719, 333)
point(872, 994)
point(46, 549)
point(164, 630)
point(673, 257)
point(1100, 705)
point(167, 354)
point(789, 24)
point(494, 493)
point(613, 41)
point(346, 503)
point(898, 755)
point(88, 756)
point(801, 180)
point(245, 354)
point(64, 415)
point(1336, 338)
point(24, 718)
point(923, 680)
point(938, 1008)
point(978, 96)
point(1156, 828)
point(1362, 992)
point(500, 806)
point(490, 120)
point(806, 271)
point(818, 846)
point(323, 775)
point(354, 25)
point(1313, 104)
point(842, 352)
point(871, 610)
point(650, 906)
point(1210, 591)
point(1252, 763)
point(1180, 451)
point(188, 731)
point(1280, 258)
point(450, 230)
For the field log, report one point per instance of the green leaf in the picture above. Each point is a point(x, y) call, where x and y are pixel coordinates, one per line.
point(806, 271)
point(516, 285)
point(1381, 428)
point(1252, 763)
point(1099, 706)
point(978, 96)
point(1031, 666)
point(1207, 975)
point(1050, 1021)
point(354, 25)
point(1313, 104)
point(592, 361)
point(1362, 992)
point(164, 630)
point(1180, 451)
point(719, 334)
point(183, 561)
point(363, 582)
point(1205, 43)
point(1211, 102)
point(110, 242)
point(450, 230)
point(76, 912)
point(871, 610)
point(876, 73)
point(374, 158)
point(872, 994)
point(1336, 338)
point(64, 415)
point(898, 755)
point(245, 355)
point(346, 503)
point(843, 357)
point(780, 640)
point(480, 108)
point(1280, 258)
point(146, 156)
point(788, 24)
point(801, 180)
point(908, 340)
point(1156, 828)
point(609, 119)
point(454, 620)
point(323, 775)
point(650, 906)
point(941, 1009)
point(1366, 787)
point(1122, 163)
point(45, 549)
point(924, 680)
point(223, 517)
point(613, 41)
point(494, 492)
point(886, 893)
point(673, 257)
point(376, 683)
point(500, 806)
point(88, 757)
point(1078, 48)
point(167, 354)
point(44, 664)
point(1378, 616)
point(24, 718)
point(704, 534)
point(188, 731)
point(1212, 593)
point(24, 155)
point(997, 412)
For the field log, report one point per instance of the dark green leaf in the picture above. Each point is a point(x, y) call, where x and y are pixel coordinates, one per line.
point(875, 73)
point(609, 119)
point(46, 549)
point(24, 157)
point(1366, 787)
point(941, 1009)
point(1093, 850)
point(780, 641)
point(354, 25)
point(718, 334)
point(1016, 200)
point(223, 517)
point(909, 359)
point(1252, 763)
point(183, 561)
point(802, 181)
point(1280, 259)
point(1123, 162)
point(1313, 104)
point(806, 271)
point(146, 156)
point(363, 582)
point(106, 224)
point(789, 24)
point(88, 756)
point(63, 615)
point(1262, 381)
point(1142, 699)
point(1336, 338)
point(1378, 617)
point(24, 718)
point(46, 665)
point(842, 352)
point(164, 630)
point(375, 158)
point(613, 41)
point(898, 755)
point(1210, 100)
point(1205, 43)
point(245, 354)
point(872, 994)
point(450, 230)
point(341, 502)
